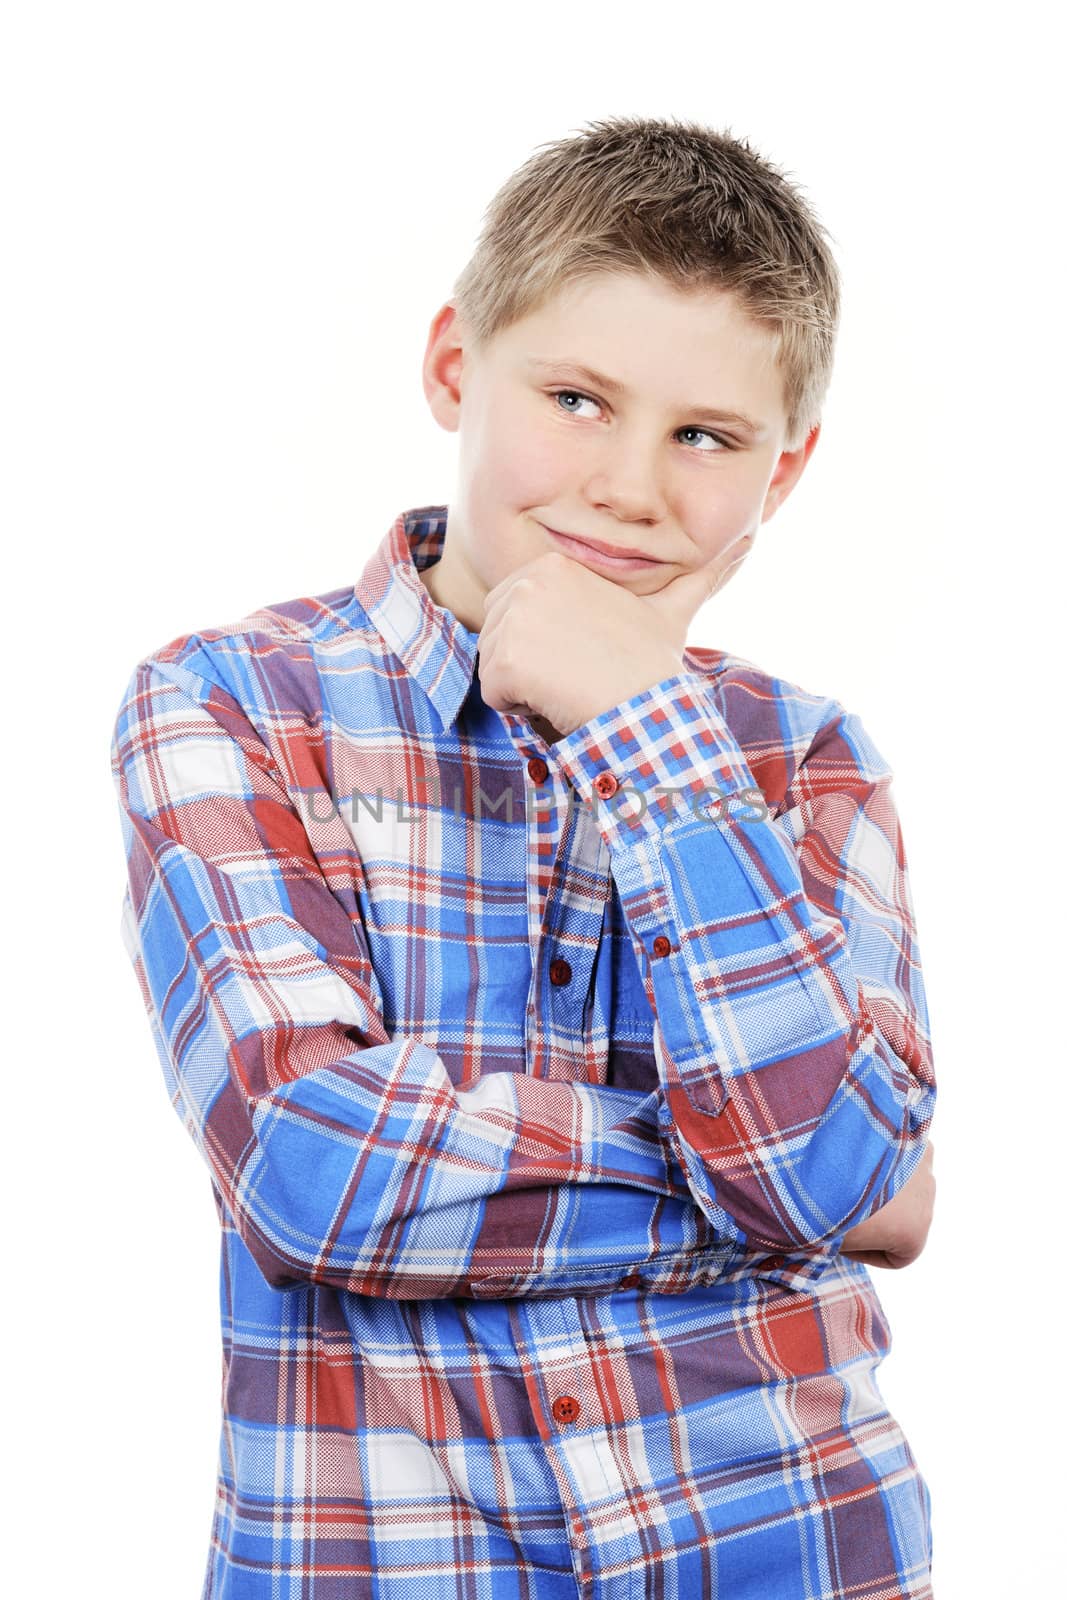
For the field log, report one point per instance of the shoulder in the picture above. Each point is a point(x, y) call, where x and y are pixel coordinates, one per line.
point(272, 656)
point(759, 703)
point(783, 726)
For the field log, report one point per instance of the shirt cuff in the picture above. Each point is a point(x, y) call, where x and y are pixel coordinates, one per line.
point(666, 755)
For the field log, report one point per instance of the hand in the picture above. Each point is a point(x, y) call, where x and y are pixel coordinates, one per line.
point(562, 642)
point(896, 1234)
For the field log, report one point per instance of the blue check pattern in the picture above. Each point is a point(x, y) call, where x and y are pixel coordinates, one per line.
point(538, 1085)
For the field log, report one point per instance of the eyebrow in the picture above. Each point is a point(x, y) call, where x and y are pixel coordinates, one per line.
point(612, 386)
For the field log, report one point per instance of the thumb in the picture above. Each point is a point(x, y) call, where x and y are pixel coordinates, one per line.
point(680, 600)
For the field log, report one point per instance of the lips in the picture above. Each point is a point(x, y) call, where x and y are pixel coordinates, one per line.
point(611, 554)
point(605, 549)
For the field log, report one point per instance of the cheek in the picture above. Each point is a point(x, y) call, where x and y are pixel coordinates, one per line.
point(523, 457)
point(536, 475)
point(715, 526)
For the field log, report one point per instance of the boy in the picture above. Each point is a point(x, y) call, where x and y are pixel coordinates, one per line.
point(543, 994)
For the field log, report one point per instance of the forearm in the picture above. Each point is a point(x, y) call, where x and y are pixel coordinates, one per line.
point(797, 1081)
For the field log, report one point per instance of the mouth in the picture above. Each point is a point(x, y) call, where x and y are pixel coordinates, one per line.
point(611, 559)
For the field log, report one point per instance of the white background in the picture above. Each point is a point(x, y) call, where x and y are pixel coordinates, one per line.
point(227, 229)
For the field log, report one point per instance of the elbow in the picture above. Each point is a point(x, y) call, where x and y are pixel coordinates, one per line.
point(278, 1267)
point(832, 1159)
point(274, 1225)
point(859, 1166)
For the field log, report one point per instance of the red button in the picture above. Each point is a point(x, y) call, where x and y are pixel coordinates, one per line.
point(566, 1408)
point(560, 971)
point(774, 1262)
point(632, 1280)
point(537, 769)
point(606, 784)
point(661, 945)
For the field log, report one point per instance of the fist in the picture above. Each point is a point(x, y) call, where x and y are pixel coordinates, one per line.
point(895, 1235)
point(563, 643)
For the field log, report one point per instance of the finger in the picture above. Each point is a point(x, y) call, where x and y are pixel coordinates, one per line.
point(870, 1258)
point(678, 602)
point(682, 598)
point(500, 590)
point(495, 605)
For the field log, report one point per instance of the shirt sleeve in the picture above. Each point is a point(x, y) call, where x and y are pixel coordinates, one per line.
point(780, 958)
point(344, 1156)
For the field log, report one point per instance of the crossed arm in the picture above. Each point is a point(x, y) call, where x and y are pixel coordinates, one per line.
point(790, 1111)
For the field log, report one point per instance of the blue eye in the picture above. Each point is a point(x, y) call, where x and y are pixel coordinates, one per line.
point(708, 435)
point(576, 394)
point(573, 393)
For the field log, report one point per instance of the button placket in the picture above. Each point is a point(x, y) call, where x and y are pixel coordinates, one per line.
point(581, 1456)
point(570, 1045)
point(546, 829)
point(553, 1327)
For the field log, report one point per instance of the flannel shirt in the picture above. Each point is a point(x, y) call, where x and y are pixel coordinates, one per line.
point(538, 1085)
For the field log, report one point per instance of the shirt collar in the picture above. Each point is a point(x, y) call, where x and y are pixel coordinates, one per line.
point(437, 649)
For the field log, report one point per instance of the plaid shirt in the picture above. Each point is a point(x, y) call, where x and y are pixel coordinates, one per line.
point(538, 1085)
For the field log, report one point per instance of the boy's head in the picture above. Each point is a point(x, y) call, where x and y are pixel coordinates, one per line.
point(679, 265)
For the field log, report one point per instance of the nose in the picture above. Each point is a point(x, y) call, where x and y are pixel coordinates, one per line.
point(625, 483)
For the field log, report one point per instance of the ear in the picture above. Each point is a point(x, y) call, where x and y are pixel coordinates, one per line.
point(787, 470)
point(442, 366)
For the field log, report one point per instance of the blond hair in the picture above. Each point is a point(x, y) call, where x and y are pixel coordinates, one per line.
point(697, 207)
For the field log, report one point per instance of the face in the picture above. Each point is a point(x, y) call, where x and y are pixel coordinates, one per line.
point(662, 464)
